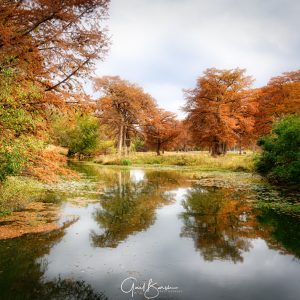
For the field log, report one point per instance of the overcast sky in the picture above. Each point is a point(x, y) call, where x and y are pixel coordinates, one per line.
point(164, 45)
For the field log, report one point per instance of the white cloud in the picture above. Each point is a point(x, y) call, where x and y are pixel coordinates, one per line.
point(164, 45)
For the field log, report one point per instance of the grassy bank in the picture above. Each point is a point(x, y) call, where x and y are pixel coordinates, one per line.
point(202, 160)
point(16, 192)
point(27, 185)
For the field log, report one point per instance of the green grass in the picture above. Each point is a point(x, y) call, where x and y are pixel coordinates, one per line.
point(202, 160)
point(16, 192)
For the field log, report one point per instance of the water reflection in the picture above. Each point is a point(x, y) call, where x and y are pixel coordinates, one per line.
point(155, 224)
point(22, 271)
point(129, 206)
point(220, 222)
point(64, 289)
point(284, 231)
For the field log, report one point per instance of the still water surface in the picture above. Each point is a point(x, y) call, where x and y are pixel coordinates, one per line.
point(200, 242)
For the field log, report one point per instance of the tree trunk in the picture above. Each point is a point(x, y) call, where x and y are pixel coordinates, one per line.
point(216, 149)
point(124, 140)
point(120, 143)
point(240, 145)
point(128, 143)
point(224, 148)
point(158, 148)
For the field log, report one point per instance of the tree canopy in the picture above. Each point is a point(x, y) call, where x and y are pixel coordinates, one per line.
point(220, 109)
point(280, 159)
point(52, 42)
point(124, 106)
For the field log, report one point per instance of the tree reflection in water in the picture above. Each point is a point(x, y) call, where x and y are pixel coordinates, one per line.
point(129, 206)
point(22, 271)
point(284, 231)
point(220, 222)
point(66, 290)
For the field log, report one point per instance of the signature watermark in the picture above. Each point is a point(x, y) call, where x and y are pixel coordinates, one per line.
point(150, 289)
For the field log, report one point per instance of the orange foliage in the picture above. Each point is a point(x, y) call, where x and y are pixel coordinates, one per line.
point(48, 165)
point(161, 130)
point(220, 109)
point(124, 107)
point(52, 41)
point(280, 97)
point(184, 141)
point(46, 48)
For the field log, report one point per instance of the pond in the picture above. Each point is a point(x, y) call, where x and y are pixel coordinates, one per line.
point(154, 234)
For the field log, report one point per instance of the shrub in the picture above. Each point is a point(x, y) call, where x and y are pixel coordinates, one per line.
point(125, 162)
point(16, 155)
point(11, 160)
point(19, 122)
point(80, 137)
point(280, 159)
point(137, 144)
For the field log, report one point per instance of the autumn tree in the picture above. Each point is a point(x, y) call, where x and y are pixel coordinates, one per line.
point(280, 97)
point(52, 42)
point(161, 130)
point(220, 109)
point(46, 46)
point(124, 107)
point(184, 141)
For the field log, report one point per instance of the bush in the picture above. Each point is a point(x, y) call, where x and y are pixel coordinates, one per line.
point(80, 136)
point(11, 161)
point(126, 162)
point(19, 122)
point(16, 155)
point(280, 159)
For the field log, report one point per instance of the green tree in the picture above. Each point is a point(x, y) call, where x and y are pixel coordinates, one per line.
point(81, 136)
point(18, 124)
point(280, 159)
